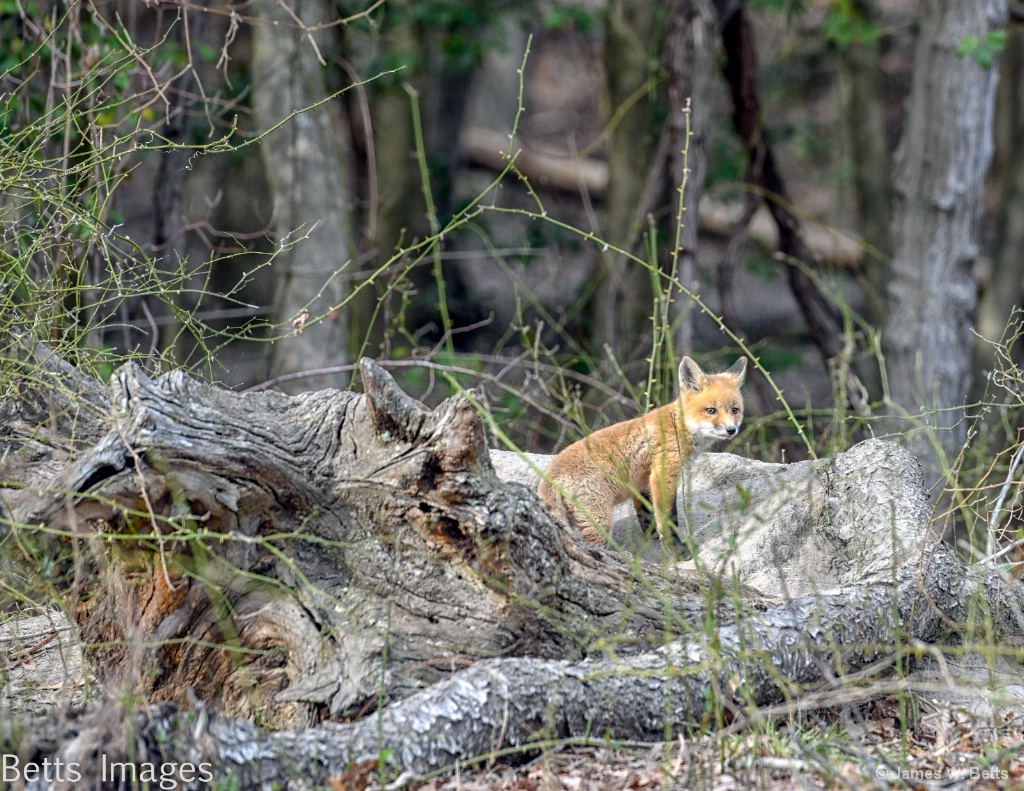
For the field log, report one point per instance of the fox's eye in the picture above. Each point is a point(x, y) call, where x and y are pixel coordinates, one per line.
point(735, 410)
point(711, 410)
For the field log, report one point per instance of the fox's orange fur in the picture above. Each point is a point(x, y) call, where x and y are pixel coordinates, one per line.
point(587, 479)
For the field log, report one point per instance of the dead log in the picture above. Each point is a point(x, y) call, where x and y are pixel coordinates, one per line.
point(500, 704)
point(294, 558)
point(291, 559)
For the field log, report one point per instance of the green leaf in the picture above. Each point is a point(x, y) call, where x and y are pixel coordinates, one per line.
point(984, 51)
point(844, 28)
point(967, 46)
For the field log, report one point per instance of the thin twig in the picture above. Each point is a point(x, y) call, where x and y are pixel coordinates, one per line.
point(998, 509)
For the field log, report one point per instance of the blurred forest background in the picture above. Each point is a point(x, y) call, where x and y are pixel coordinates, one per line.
point(548, 201)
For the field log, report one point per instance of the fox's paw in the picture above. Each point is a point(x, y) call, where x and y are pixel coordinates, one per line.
point(675, 546)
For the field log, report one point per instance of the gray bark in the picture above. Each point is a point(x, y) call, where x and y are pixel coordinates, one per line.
point(286, 558)
point(622, 302)
point(786, 530)
point(305, 165)
point(862, 104)
point(1005, 287)
point(940, 169)
point(403, 546)
point(692, 49)
point(502, 703)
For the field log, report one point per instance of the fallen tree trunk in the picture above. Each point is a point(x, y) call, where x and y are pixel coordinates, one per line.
point(291, 558)
point(287, 560)
point(500, 704)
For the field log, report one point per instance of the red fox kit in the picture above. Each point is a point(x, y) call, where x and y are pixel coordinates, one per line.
point(587, 479)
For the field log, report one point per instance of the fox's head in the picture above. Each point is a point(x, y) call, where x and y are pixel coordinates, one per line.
point(711, 404)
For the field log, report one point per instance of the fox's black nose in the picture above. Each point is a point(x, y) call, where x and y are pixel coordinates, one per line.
point(730, 430)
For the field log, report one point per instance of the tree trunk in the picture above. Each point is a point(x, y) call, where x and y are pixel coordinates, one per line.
point(435, 85)
point(501, 703)
point(692, 73)
point(1005, 287)
point(862, 104)
point(170, 240)
point(305, 165)
point(940, 170)
point(622, 303)
point(404, 548)
point(764, 175)
point(401, 211)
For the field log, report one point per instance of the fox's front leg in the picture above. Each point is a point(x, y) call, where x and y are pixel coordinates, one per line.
point(664, 482)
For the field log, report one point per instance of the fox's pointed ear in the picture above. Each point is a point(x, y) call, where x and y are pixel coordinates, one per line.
point(738, 370)
point(691, 377)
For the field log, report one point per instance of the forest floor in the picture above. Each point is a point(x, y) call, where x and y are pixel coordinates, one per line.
point(949, 748)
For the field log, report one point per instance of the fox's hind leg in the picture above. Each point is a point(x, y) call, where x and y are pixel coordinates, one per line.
point(591, 514)
point(589, 511)
point(644, 515)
